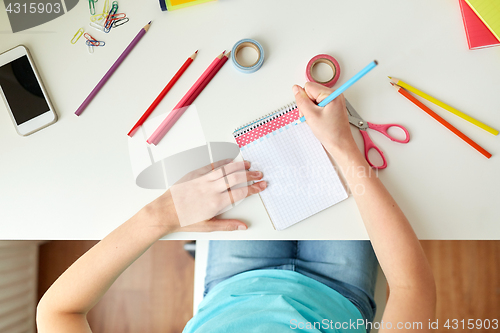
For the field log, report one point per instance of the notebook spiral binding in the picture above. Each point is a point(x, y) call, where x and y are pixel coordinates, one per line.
point(264, 119)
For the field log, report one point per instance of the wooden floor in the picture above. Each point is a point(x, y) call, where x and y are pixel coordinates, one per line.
point(155, 294)
point(467, 276)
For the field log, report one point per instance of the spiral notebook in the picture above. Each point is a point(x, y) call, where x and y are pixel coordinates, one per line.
point(301, 179)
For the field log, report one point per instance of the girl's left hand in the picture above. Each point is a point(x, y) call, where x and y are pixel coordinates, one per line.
point(192, 204)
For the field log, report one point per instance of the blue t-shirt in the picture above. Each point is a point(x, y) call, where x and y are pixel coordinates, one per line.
point(274, 301)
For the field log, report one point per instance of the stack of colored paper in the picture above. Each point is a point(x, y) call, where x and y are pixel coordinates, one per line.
point(482, 22)
point(177, 4)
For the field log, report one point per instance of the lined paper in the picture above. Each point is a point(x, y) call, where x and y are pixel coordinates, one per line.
point(478, 34)
point(489, 12)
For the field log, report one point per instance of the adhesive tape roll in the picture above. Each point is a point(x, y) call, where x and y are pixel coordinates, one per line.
point(247, 43)
point(326, 59)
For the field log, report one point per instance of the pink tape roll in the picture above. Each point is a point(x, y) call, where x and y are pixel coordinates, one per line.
point(326, 59)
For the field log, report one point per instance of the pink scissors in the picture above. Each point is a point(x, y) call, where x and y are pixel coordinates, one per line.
point(356, 120)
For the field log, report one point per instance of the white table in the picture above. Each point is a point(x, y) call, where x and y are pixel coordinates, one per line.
point(73, 180)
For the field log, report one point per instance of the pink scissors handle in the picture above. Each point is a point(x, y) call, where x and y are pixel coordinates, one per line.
point(384, 130)
point(370, 145)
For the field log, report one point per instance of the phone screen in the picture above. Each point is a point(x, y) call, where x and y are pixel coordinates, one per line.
point(22, 90)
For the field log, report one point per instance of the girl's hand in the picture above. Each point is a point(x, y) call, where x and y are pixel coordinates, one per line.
point(193, 202)
point(329, 124)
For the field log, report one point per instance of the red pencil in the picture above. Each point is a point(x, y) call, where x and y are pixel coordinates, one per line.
point(442, 121)
point(162, 94)
point(183, 102)
point(208, 79)
point(187, 100)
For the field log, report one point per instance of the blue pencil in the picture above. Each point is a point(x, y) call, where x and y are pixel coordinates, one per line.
point(346, 85)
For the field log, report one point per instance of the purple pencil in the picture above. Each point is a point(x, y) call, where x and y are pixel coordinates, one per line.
point(113, 68)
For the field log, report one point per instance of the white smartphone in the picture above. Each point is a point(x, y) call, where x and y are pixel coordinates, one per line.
point(23, 92)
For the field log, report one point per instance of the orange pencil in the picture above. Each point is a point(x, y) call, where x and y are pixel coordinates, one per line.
point(441, 120)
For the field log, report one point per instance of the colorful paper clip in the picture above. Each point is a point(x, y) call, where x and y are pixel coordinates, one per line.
point(95, 43)
point(97, 26)
point(98, 17)
point(88, 36)
point(91, 42)
point(109, 21)
point(117, 16)
point(106, 8)
point(92, 7)
point(112, 19)
point(119, 22)
point(77, 36)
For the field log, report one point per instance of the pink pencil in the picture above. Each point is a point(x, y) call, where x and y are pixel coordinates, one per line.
point(208, 79)
point(175, 114)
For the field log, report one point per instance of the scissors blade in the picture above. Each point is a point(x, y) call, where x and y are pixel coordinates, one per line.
point(354, 117)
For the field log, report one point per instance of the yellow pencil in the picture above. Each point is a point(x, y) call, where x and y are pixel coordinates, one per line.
point(444, 106)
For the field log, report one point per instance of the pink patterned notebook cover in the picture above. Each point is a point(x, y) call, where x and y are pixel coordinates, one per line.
point(266, 125)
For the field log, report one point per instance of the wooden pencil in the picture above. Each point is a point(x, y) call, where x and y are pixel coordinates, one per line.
point(209, 78)
point(444, 106)
point(113, 68)
point(441, 121)
point(165, 90)
point(179, 109)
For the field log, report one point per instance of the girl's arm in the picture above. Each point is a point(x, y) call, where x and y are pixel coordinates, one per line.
point(65, 305)
point(412, 289)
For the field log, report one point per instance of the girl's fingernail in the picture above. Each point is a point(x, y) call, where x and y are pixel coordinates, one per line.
point(295, 89)
point(262, 185)
point(257, 174)
point(242, 227)
point(247, 165)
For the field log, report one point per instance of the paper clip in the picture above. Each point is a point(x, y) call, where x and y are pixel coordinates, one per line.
point(98, 17)
point(88, 36)
point(118, 16)
point(112, 19)
point(114, 8)
point(92, 7)
point(106, 8)
point(109, 21)
point(97, 26)
point(95, 43)
point(77, 36)
point(119, 22)
point(90, 48)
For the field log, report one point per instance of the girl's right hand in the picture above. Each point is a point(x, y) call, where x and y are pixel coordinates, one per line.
point(330, 124)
